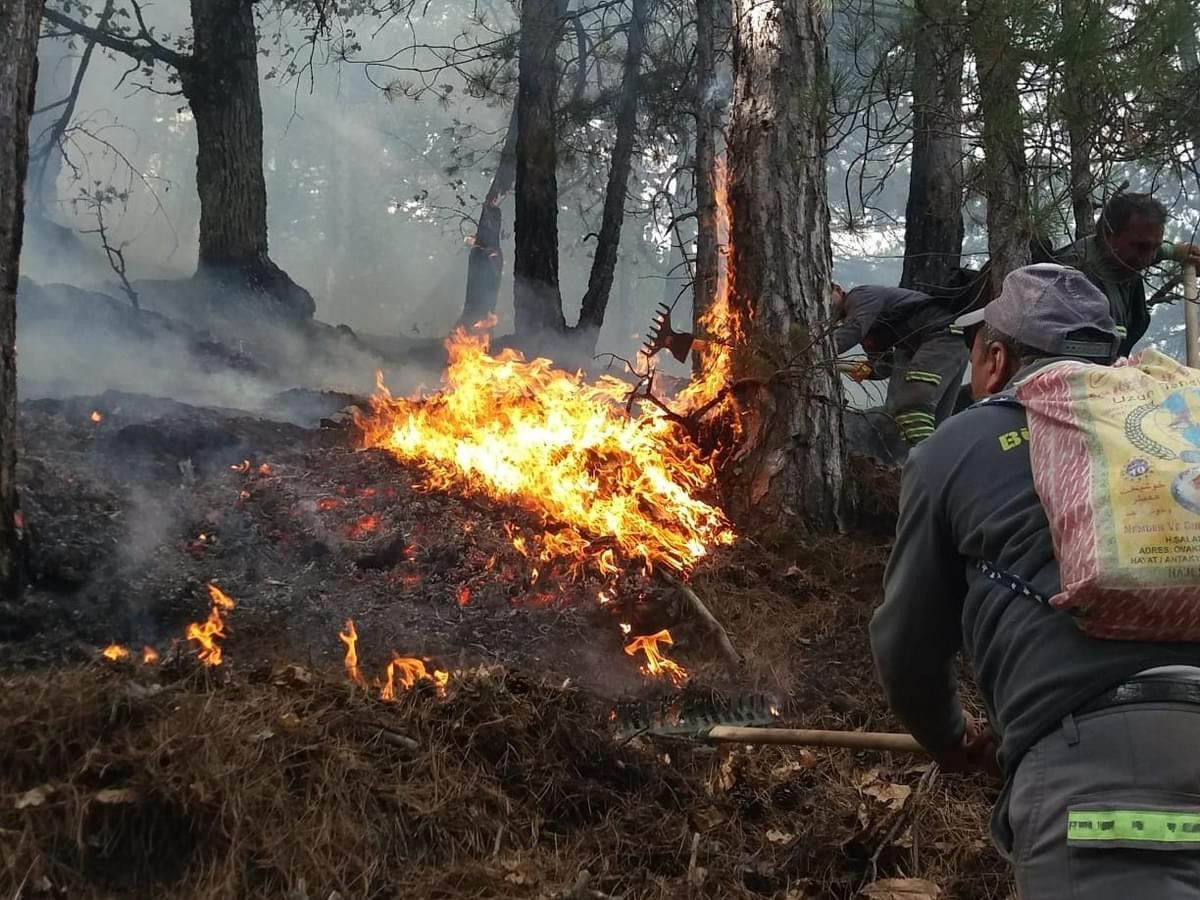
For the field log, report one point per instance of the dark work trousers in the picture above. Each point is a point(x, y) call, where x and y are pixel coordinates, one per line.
point(924, 385)
point(1107, 807)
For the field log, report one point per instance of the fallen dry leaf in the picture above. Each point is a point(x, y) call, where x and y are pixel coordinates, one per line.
point(780, 837)
point(902, 889)
point(114, 796)
point(292, 675)
point(706, 818)
point(892, 795)
point(34, 796)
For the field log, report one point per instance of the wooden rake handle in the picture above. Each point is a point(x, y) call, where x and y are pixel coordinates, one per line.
point(803, 737)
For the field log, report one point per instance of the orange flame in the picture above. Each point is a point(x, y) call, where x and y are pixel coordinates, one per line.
point(522, 431)
point(721, 323)
point(656, 663)
point(464, 595)
point(115, 653)
point(149, 656)
point(408, 671)
point(97, 416)
point(349, 637)
point(206, 633)
point(327, 503)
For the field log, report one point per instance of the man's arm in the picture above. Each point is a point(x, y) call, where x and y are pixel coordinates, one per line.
point(1182, 252)
point(863, 305)
point(917, 631)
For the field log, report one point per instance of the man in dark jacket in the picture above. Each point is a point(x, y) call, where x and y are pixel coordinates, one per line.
point(1128, 240)
point(908, 337)
point(1091, 733)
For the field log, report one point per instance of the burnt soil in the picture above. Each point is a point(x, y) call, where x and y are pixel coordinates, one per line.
point(275, 776)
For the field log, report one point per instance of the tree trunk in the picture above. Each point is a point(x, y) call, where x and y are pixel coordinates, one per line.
point(708, 263)
point(20, 21)
point(933, 222)
point(485, 266)
point(792, 461)
point(600, 279)
point(221, 85)
point(998, 68)
point(1082, 49)
point(537, 303)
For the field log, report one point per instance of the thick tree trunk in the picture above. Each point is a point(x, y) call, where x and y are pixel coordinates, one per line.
point(998, 68)
point(485, 266)
point(792, 462)
point(221, 85)
point(537, 303)
point(933, 222)
point(707, 240)
point(20, 21)
point(600, 279)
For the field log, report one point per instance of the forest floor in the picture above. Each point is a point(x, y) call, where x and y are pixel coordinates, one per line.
point(273, 775)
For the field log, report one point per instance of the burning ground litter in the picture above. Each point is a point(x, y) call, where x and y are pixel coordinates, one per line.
point(193, 779)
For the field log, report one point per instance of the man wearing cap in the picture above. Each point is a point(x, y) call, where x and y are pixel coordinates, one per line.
point(908, 337)
point(1128, 240)
point(1059, 701)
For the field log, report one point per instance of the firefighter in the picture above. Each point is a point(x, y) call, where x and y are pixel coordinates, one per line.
point(1102, 727)
point(908, 337)
point(1128, 240)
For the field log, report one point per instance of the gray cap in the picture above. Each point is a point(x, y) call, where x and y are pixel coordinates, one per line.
point(1041, 306)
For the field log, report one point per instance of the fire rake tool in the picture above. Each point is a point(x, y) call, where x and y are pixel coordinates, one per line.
point(1191, 317)
point(662, 336)
point(742, 720)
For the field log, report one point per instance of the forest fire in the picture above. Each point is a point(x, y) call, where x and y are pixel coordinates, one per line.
point(522, 431)
point(656, 663)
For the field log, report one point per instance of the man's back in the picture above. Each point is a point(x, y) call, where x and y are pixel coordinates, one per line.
point(968, 495)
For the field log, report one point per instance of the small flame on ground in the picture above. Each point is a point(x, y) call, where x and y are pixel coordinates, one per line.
point(349, 637)
point(656, 663)
point(206, 633)
point(149, 656)
point(243, 495)
point(97, 416)
point(243, 466)
point(265, 469)
point(115, 653)
point(604, 598)
point(464, 595)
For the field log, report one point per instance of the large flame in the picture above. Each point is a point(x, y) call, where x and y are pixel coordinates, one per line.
point(656, 663)
point(522, 431)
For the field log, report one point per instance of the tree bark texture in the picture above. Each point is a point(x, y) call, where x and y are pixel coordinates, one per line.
point(485, 265)
point(998, 68)
point(221, 85)
point(1082, 54)
point(708, 264)
point(20, 22)
point(537, 303)
point(792, 463)
point(600, 279)
point(933, 221)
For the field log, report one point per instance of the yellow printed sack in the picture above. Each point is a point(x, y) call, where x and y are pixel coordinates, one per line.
point(1116, 462)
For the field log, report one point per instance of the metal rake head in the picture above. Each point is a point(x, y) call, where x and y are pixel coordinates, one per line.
point(663, 337)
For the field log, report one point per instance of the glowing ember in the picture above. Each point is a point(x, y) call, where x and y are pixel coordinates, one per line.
point(657, 664)
point(243, 466)
point(522, 431)
point(464, 595)
point(364, 527)
point(206, 633)
point(149, 656)
point(243, 495)
point(265, 469)
point(366, 493)
point(115, 653)
point(349, 637)
point(327, 503)
point(97, 416)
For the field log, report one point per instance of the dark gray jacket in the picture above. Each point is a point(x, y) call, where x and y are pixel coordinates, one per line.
point(879, 318)
point(967, 494)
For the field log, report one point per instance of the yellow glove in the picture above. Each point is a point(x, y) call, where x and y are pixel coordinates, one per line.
point(857, 371)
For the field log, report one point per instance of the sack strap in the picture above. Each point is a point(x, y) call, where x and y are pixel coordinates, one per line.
point(1010, 581)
